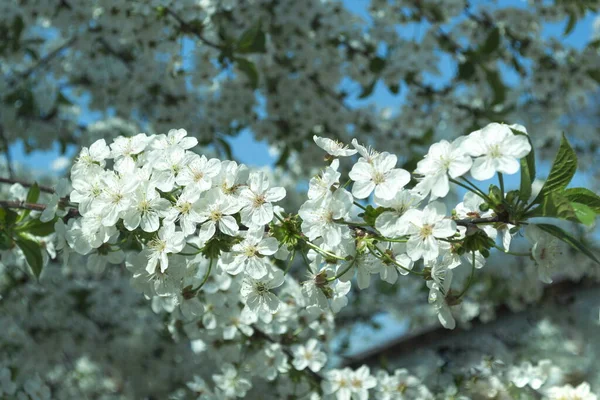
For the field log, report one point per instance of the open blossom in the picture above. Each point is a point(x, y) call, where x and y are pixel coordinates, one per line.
point(124, 149)
point(62, 189)
point(257, 199)
point(497, 149)
point(546, 252)
point(146, 209)
point(308, 356)
point(367, 153)
point(568, 392)
point(380, 175)
point(400, 386)
point(166, 242)
point(198, 173)
point(249, 255)
point(319, 215)
point(167, 167)
point(216, 211)
point(92, 158)
point(321, 185)
point(425, 228)
point(443, 159)
point(116, 197)
point(333, 147)
point(231, 383)
point(438, 289)
point(469, 208)
point(257, 293)
point(175, 138)
point(186, 210)
point(389, 222)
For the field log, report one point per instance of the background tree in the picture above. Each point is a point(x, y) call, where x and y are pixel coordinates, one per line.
point(283, 71)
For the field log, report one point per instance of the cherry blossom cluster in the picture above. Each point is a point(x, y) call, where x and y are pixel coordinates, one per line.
point(203, 240)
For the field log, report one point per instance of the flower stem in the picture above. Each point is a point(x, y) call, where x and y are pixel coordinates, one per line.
point(470, 189)
point(501, 182)
point(205, 279)
point(291, 260)
point(337, 276)
point(357, 204)
point(513, 253)
point(323, 252)
point(383, 255)
point(470, 281)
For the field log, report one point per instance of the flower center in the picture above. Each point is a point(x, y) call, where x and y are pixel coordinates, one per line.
point(259, 200)
point(250, 251)
point(261, 288)
point(216, 215)
point(378, 178)
point(185, 207)
point(144, 206)
point(198, 175)
point(426, 231)
point(495, 151)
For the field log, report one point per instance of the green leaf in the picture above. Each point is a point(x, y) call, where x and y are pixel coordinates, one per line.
point(563, 170)
point(394, 88)
point(584, 196)
point(466, 70)
point(252, 40)
point(376, 65)
point(571, 24)
point(527, 170)
point(497, 86)
point(33, 254)
point(33, 194)
point(491, 42)
point(248, 68)
point(367, 90)
point(555, 205)
point(37, 228)
point(584, 213)
point(18, 25)
point(226, 147)
point(569, 239)
point(594, 74)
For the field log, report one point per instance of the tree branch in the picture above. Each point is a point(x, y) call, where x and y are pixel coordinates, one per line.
point(188, 28)
point(72, 212)
point(6, 149)
point(43, 61)
point(435, 336)
point(11, 181)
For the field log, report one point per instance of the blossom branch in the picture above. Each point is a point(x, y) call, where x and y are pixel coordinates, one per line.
point(72, 212)
point(11, 181)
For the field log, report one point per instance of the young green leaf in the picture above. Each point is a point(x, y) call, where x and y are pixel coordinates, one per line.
point(491, 42)
point(584, 196)
point(563, 170)
point(569, 239)
point(527, 170)
point(248, 68)
point(584, 214)
point(33, 194)
point(554, 205)
point(252, 40)
point(33, 254)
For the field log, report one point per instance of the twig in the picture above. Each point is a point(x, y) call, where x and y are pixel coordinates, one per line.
point(191, 29)
point(6, 152)
point(72, 212)
point(11, 181)
point(43, 61)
